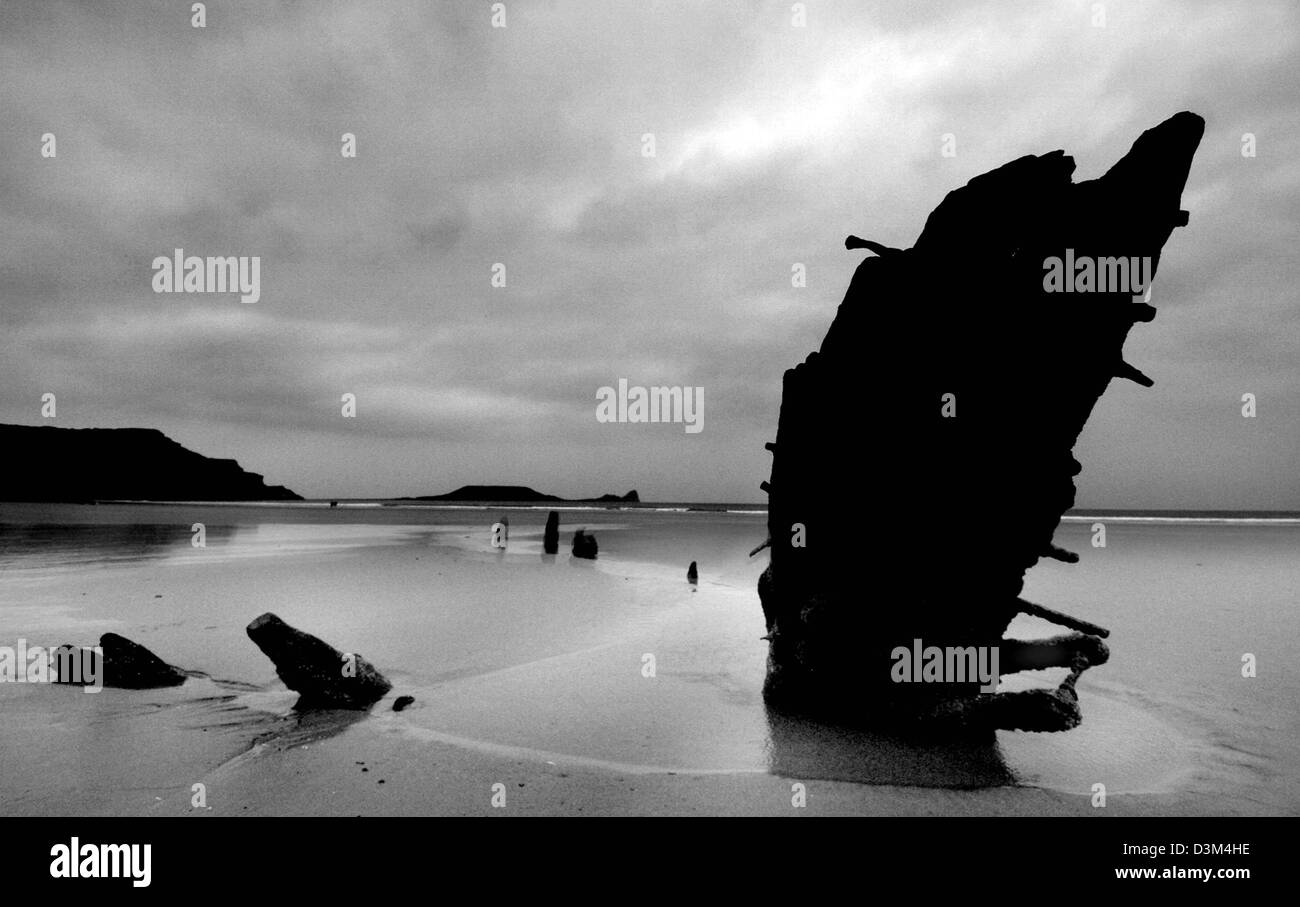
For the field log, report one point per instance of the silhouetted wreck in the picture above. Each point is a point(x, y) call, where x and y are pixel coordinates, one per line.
point(982, 371)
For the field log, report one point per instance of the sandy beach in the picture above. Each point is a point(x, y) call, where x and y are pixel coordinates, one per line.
point(533, 672)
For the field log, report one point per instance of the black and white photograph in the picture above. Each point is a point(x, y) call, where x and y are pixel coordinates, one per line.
point(421, 410)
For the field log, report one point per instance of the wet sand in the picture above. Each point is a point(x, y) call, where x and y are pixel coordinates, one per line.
point(530, 672)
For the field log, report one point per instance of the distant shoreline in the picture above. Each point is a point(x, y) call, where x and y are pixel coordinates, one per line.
point(1080, 513)
point(418, 504)
point(1077, 515)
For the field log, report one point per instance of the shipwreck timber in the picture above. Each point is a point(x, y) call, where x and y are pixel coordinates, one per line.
point(991, 371)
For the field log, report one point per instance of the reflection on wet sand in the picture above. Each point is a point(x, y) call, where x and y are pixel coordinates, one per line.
point(807, 749)
point(90, 544)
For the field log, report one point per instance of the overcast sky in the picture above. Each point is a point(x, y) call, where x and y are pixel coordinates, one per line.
point(523, 146)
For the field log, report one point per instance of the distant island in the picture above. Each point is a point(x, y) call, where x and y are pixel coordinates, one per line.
point(83, 465)
point(519, 494)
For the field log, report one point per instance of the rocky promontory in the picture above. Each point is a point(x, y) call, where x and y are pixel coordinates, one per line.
point(83, 465)
point(519, 494)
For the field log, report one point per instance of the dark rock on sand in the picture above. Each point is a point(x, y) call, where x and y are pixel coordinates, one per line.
point(692, 574)
point(551, 537)
point(402, 702)
point(584, 544)
point(992, 376)
point(324, 676)
point(124, 664)
point(75, 665)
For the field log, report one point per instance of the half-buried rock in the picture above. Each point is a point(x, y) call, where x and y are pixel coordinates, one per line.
point(324, 677)
point(584, 544)
point(124, 664)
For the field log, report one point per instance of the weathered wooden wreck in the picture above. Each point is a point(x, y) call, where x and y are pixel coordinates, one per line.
point(988, 372)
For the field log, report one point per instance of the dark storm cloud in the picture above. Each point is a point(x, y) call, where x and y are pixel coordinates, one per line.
point(523, 146)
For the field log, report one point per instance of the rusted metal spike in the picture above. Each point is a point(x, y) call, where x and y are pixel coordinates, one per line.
point(857, 242)
point(1132, 373)
point(1063, 620)
point(1060, 554)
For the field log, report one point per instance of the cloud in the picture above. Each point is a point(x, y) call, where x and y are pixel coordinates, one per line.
point(523, 146)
